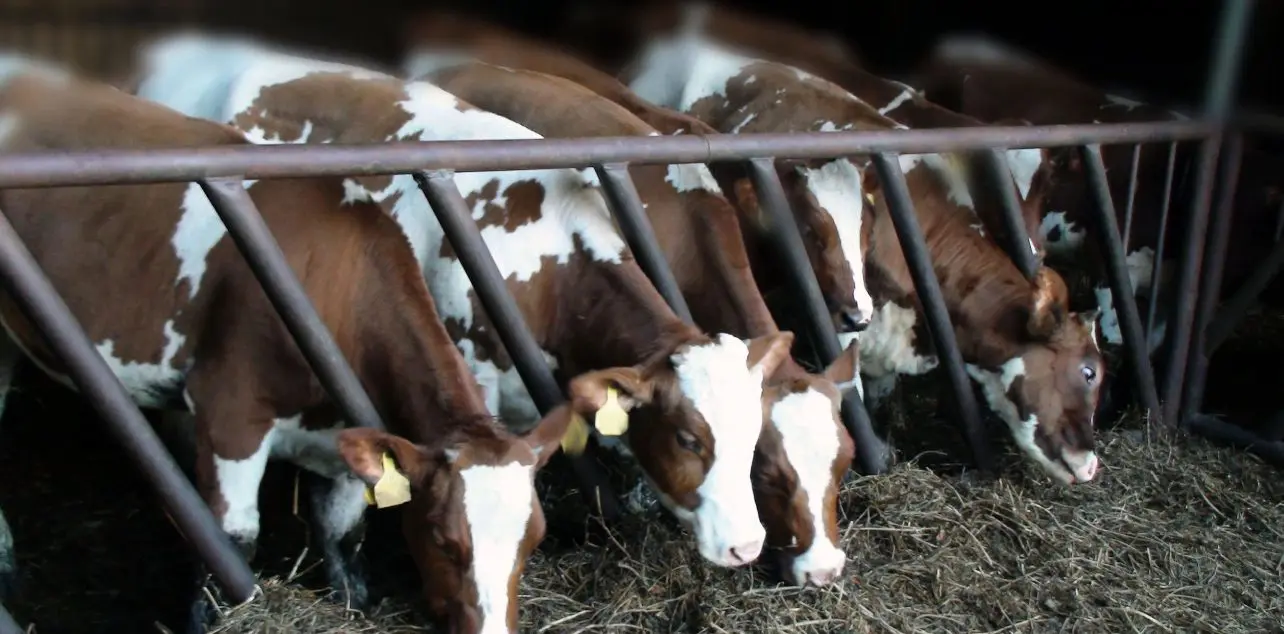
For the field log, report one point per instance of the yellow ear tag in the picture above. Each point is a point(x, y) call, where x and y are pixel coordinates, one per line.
point(611, 419)
point(576, 436)
point(870, 198)
point(392, 489)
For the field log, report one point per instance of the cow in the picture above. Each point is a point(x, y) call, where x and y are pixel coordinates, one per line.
point(1038, 365)
point(804, 451)
point(990, 81)
point(173, 309)
point(694, 400)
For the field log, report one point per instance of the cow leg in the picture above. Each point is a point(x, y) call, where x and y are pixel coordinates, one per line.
point(338, 508)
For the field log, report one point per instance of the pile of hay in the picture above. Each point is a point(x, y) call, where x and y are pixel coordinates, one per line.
point(1175, 535)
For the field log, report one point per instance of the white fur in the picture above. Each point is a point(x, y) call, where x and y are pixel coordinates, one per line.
point(238, 484)
point(430, 59)
point(837, 188)
point(497, 504)
point(954, 181)
point(1024, 164)
point(811, 442)
point(689, 177)
point(1116, 100)
point(1071, 239)
point(727, 393)
point(140, 377)
point(906, 95)
point(968, 47)
point(199, 229)
point(887, 346)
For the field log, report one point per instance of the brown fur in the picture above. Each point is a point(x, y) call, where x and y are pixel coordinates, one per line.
point(245, 369)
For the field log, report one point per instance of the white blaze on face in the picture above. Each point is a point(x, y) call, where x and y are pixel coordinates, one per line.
point(837, 189)
point(728, 395)
point(805, 421)
point(497, 505)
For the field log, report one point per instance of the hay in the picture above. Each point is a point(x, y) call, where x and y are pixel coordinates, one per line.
point(1174, 536)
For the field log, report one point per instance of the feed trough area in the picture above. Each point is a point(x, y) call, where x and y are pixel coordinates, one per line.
point(669, 317)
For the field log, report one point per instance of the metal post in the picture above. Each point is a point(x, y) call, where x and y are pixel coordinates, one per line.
point(1132, 196)
point(1222, 84)
point(787, 240)
point(1157, 275)
point(1234, 309)
point(1211, 286)
point(461, 232)
point(39, 301)
point(1117, 271)
point(1018, 238)
point(266, 260)
point(913, 244)
point(626, 205)
point(7, 623)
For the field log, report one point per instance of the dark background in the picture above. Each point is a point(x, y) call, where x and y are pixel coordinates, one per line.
point(1154, 49)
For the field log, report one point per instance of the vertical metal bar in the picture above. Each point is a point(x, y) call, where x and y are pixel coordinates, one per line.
point(254, 240)
point(39, 301)
point(7, 623)
point(1019, 246)
point(913, 244)
point(1125, 304)
point(627, 207)
point(1279, 222)
point(1132, 195)
point(1222, 85)
point(789, 245)
point(1211, 286)
point(1157, 273)
point(461, 232)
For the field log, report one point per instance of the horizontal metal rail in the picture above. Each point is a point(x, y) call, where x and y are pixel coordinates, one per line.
point(120, 167)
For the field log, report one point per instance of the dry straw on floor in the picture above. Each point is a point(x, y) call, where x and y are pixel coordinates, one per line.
point(1175, 536)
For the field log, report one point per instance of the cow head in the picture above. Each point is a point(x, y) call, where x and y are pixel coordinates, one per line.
point(826, 199)
point(473, 517)
point(1047, 393)
point(798, 467)
point(695, 415)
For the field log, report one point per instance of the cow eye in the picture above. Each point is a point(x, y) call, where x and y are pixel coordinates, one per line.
point(688, 441)
point(1089, 373)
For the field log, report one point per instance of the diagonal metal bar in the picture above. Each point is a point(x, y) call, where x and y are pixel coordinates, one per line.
point(461, 232)
point(39, 301)
point(1019, 247)
point(266, 260)
point(1132, 195)
point(1234, 309)
point(914, 246)
point(1157, 274)
point(623, 197)
point(788, 243)
point(1211, 284)
point(1125, 305)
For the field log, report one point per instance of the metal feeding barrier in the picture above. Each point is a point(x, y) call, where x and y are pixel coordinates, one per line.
point(221, 170)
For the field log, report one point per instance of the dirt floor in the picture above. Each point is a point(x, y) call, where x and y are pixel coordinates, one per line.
point(1173, 536)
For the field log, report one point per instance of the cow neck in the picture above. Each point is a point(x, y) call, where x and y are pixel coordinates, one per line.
point(610, 315)
point(421, 385)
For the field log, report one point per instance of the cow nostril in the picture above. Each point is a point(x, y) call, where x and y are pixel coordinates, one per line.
point(854, 321)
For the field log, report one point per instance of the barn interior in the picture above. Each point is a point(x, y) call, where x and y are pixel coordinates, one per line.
point(1179, 535)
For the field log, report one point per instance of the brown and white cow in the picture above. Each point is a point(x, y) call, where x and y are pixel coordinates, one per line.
point(694, 400)
point(989, 81)
point(1039, 365)
point(151, 275)
point(804, 451)
point(839, 287)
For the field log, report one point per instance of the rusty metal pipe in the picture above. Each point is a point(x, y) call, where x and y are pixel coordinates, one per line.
point(39, 301)
point(254, 240)
point(626, 206)
point(1211, 285)
point(1019, 246)
point(462, 235)
point(113, 167)
point(1125, 304)
point(787, 241)
point(914, 246)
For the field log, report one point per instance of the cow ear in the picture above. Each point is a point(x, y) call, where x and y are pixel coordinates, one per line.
point(363, 450)
point(767, 352)
point(1048, 304)
point(547, 435)
point(589, 391)
point(844, 372)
